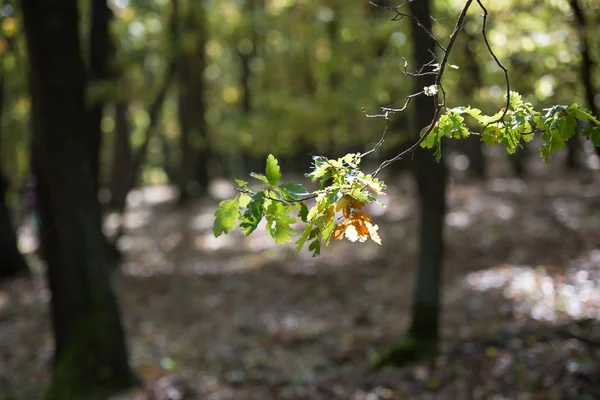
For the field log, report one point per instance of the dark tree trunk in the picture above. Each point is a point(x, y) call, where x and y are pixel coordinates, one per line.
point(101, 51)
point(12, 263)
point(573, 149)
point(587, 64)
point(518, 161)
point(121, 162)
point(131, 175)
point(332, 28)
point(431, 182)
point(186, 114)
point(194, 140)
point(90, 359)
point(246, 160)
point(422, 339)
point(473, 146)
point(246, 57)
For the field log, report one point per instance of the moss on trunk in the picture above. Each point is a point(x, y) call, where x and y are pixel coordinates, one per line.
point(88, 367)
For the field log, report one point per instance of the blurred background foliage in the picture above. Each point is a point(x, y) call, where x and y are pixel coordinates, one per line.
point(287, 77)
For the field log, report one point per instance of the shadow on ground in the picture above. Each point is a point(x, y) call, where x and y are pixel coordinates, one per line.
point(239, 318)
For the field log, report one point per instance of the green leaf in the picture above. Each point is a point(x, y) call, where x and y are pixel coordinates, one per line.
point(260, 177)
point(321, 168)
point(583, 115)
point(241, 183)
point(328, 223)
point(352, 159)
point(226, 216)
point(592, 133)
point(253, 215)
point(315, 246)
point(293, 191)
point(432, 141)
point(567, 127)
point(272, 171)
point(558, 126)
point(278, 222)
point(303, 213)
point(303, 237)
point(244, 199)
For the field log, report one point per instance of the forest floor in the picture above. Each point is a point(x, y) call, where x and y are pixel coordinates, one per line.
point(241, 318)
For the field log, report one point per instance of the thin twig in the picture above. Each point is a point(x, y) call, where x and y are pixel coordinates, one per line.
point(438, 83)
point(439, 74)
point(489, 47)
point(400, 15)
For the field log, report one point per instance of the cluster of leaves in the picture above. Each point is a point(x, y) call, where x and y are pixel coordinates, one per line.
point(520, 122)
point(341, 188)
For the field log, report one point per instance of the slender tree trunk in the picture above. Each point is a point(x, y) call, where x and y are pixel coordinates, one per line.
point(131, 175)
point(431, 182)
point(517, 161)
point(472, 81)
point(194, 140)
point(252, 8)
point(12, 262)
point(587, 64)
point(90, 359)
point(422, 339)
point(101, 51)
point(246, 57)
point(121, 163)
point(185, 113)
point(573, 148)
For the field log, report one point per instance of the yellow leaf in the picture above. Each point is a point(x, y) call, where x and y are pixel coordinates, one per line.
point(338, 233)
point(357, 227)
point(376, 188)
point(353, 235)
point(373, 232)
point(346, 204)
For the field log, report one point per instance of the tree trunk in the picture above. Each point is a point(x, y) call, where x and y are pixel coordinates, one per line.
point(518, 160)
point(431, 181)
point(90, 358)
point(422, 339)
point(587, 64)
point(473, 146)
point(185, 113)
point(101, 51)
point(194, 141)
point(121, 162)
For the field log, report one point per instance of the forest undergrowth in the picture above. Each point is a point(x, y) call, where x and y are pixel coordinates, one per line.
point(242, 318)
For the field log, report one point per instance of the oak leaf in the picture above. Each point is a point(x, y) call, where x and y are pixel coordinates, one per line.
point(346, 204)
point(357, 227)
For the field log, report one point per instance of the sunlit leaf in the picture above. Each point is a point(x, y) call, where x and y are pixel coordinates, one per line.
point(303, 236)
point(278, 222)
point(357, 227)
point(260, 177)
point(293, 191)
point(226, 217)
point(272, 170)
